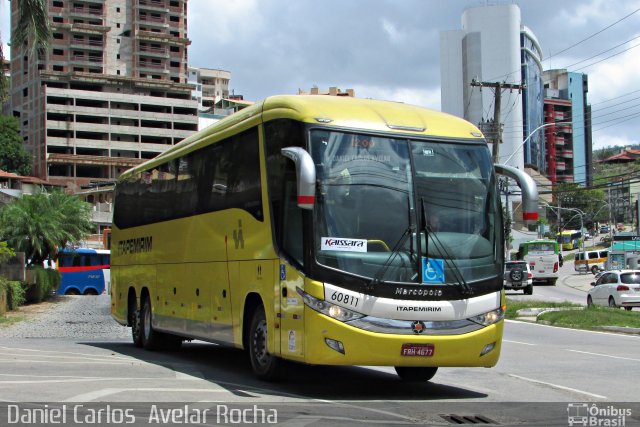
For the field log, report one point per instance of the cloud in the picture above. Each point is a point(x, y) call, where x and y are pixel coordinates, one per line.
point(425, 97)
point(223, 22)
point(604, 140)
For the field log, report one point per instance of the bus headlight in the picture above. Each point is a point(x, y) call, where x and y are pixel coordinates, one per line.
point(490, 317)
point(334, 311)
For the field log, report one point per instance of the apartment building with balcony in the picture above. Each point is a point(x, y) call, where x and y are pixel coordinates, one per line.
point(211, 85)
point(111, 91)
point(567, 117)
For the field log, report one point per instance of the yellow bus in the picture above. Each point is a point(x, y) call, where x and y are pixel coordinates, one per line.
point(302, 228)
point(570, 239)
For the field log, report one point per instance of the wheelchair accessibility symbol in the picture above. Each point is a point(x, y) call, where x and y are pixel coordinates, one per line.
point(432, 270)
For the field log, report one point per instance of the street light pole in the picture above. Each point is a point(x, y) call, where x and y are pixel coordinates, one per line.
point(531, 134)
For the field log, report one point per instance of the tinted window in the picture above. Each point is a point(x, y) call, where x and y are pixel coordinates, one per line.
point(630, 278)
point(220, 176)
point(281, 173)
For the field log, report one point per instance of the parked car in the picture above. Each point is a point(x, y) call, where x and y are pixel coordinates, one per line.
point(517, 275)
point(619, 288)
point(604, 229)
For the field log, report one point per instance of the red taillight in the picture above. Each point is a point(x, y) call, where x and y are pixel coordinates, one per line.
point(622, 288)
point(555, 267)
point(529, 275)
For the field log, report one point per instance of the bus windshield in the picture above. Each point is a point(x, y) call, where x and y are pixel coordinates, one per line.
point(369, 209)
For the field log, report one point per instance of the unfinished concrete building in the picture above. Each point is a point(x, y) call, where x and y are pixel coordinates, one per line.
point(111, 91)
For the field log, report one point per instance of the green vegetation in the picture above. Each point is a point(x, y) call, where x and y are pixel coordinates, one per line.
point(40, 224)
point(589, 318)
point(13, 156)
point(592, 318)
point(43, 282)
point(513, 306)
point(15, 292)
point(5, 321)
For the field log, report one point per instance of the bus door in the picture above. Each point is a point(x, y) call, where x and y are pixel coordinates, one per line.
point(290, 312)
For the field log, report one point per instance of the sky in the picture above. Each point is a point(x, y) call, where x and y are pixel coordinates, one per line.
point(389, 49)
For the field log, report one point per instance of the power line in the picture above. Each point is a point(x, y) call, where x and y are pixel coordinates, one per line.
point(593, 35)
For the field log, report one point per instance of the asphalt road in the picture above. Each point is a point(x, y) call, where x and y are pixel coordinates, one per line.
point(74, 353)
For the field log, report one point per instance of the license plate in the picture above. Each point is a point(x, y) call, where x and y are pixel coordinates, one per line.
point(517, 283)
point(417, 350)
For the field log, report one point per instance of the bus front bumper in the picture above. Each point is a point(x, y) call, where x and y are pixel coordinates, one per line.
point(331, 342)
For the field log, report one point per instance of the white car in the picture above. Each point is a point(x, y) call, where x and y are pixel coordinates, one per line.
point(517, 275)
point(619, 288)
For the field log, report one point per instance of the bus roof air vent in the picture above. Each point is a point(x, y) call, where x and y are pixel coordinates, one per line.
point(406, 128)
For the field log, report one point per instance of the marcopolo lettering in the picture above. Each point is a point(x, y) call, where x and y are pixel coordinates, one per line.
point(418, 292)
point(135, 246)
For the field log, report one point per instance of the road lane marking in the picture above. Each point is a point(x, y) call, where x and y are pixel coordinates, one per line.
point(97, 394)
point(69, 363)
point(605, 355)
point(67, 353)
point(519, 342)
point(47, 356)
point(561, 387)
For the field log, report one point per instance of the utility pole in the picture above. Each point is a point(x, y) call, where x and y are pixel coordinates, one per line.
point(495, 128)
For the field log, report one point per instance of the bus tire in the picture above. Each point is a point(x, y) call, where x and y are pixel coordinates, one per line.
point(136, 334)
point(151, 340)
point(265, 366)
point(415, 374)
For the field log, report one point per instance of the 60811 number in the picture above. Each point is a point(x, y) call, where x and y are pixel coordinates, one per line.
point(345, 299)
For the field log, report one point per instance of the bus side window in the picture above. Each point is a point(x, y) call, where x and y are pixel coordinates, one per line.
point(281, 175)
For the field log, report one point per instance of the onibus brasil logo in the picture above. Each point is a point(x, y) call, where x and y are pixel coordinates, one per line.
point(584, 414)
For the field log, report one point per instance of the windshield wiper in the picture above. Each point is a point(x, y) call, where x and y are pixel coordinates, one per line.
point(428, 232)
point(376, 279)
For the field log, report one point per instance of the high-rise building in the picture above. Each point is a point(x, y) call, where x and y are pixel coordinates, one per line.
point(494, 52)
point(567, 116)
point(486, 49)
point(111, 91)
point(532, 101)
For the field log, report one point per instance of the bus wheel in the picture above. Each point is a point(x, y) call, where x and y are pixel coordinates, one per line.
point(136, 332)
point(265, 366)
point(72, 291)
point(416, 374)
point(150, 338)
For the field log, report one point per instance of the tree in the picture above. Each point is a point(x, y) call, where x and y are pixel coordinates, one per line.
point(13, 157)
point(589, 201)
point(39, 225)
point(33, 26)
